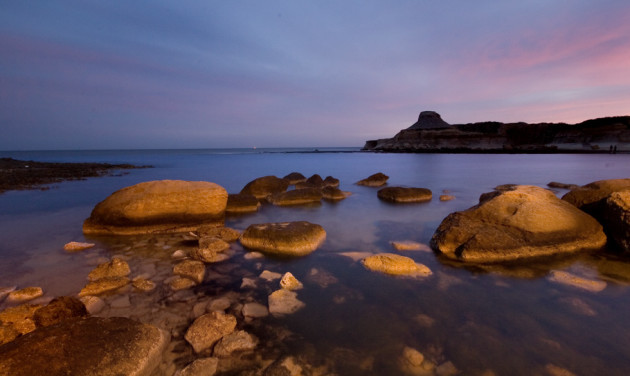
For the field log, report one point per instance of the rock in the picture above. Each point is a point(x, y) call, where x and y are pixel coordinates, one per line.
point(121, 302)
point(158, 206)
point(4, 291)
point(178, 254)
point(315, 180)
point(224, 233)
point(7, 333)
point(92, 346)
point(554, 370)
point(208, 249)
point(284, 366)
point(566, 278)
point(285, 239)
point(20, 317)
point(58, 310)
point(234, 342)
point(377, 180)
point(591, 197)
point(219, 304)
point(331, 182)
point(206, 330)
point(617, 218)
point(255, 310)
point(201, 367)
point(430, 120)
point(403, 194)
point(104, 285)
point(248, 283)
point(143, 284)
point(555, 184)
point(192, 269)
point(242, 203)
point(93, 304)
point(114, 268)
point(77, 246)
point(294, 178)
point(334, 194)
point(296, 197)
point(321, 277)
point(447, 197)
point(446, 369)
point(390, 263)
point(289, 282)
point(25, 294)
point(265, 186)
point(516, 222)
point(269, 276)
point(284, 302)
point(408, 245)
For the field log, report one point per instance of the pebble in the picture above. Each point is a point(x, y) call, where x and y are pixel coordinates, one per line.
point(248, 283)
point(446, 197)
point(282, 302)
point(181, 283)
point(407, 245)
point(253, 255)
point(179, 254)
point(200, 367)
point(77, 246)
point(289, 282)
point(220, 304)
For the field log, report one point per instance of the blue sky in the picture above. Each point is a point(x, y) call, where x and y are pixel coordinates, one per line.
point(196, 74)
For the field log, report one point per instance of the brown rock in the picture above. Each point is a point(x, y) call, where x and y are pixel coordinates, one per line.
point(235, 342)
point(114, 268)
point(289, 282)
point(447, 197)
point(224, 233)
point(92, 346)
point(181, 283)
point(207, 329)
point(201, 367)
point(143, 284)
point(616, 218)
point(77, 246)
point(158, 206)
point(294, 178)
point(286, 239)
point(192, 269)
point(20, 317)
point(592, 197)
point(377, 180)
point(390, 263)
point(296, 197)
point(284, 302)
point(403, 194)
point(334, 194)
point(25, 294)
point(7, 333)
point(516, 223)
point(265, 186)
point(242, 203)
point(104, 285)
point(58, 310)
point(331, 182)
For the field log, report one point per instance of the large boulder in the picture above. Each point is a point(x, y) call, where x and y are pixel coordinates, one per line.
point(592, 197)
point(265, 186)
point(158, 206)
point(92, 346)
point(296, 197)
point(516, 222)
point(617, 218)
point(284, 239)
point(404, 194)
point(242, 203)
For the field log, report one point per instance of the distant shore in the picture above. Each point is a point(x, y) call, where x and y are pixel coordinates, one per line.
point(20, 175)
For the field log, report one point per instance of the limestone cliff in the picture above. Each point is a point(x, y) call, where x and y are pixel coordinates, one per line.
point(432, 134)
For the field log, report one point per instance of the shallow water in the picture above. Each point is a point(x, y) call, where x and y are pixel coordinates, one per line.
point(508, 320)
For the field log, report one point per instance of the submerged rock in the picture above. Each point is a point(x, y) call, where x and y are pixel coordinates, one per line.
point(104, 285)
point(158, 206)
point(200, 367)
point(592, 197)
point(390, 263)
point(284, 302)
point(255, 310)
point(208, 249)
point(404, 194)
point(516, 222)
point(77, 246)
point(331, 182)
point(114, 268)
point(242, 203)
point(265, 186)
point(447, 197)
point(93, 304)
point(377, 180)
point(296, 197)
point(286, 238)
point(92, 346)
point(207, 329)
point(224, 233)
point(143, 284)
point(408, 245)
point(235, 342)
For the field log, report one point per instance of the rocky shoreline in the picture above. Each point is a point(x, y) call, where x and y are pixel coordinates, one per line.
point(19, 175)
point(180, 258)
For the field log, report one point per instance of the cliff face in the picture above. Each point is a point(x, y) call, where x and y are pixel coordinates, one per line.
point(431, 134)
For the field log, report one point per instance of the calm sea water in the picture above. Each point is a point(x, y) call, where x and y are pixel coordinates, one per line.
point(509, 321)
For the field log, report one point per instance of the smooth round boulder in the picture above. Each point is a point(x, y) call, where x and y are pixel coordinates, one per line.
point(404, 194)
point(284, 239)
point(265, 186)
point(617, 218)
point(591, 197)
point(92, 346)
point(334, 194)
point(391, 263)
point(514, 223)
point(377, 180)
point(242, 203)
point(331, 182)
point(294, 177)
point(162, 206)
point(296, 197)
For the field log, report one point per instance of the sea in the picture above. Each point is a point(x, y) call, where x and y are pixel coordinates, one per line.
point(474, 320)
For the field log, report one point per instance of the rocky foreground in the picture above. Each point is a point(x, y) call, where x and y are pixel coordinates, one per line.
point(432, 134)
point(224, 332)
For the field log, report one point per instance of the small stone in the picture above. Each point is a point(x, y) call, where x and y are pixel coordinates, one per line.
point(253, 255)
point(292, 239)
point(93, 304)
point(322, 277)
point(269, 276)
point(447, 197)
point(334, 194)
point(220, 304)
point(213, 244)
point(206, 330)
point(289, 282)
point(77, 246)
point(255, 310)
point(405, 194)
point(283, 302)
point(408, 245)
point(199, 309)
point(143, 284)
point(58, 310)
point(242, 203)
point(181, 283)
point(121, 302)
point(377, 180)
point(192, 269)
point(413, 356)
point(201, 367)
point(566, 278)
point(104, 285)
point(114, 268)
point(179, 254)
point(248, 283)
point(424, 320)
point(25, 294)
point(446, 369)
point(394, 264)
point(234, 342)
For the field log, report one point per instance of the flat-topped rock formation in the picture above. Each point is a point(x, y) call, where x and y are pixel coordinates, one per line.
point(432, 134)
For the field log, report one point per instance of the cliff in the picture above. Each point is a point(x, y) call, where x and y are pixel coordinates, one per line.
point(432, 134)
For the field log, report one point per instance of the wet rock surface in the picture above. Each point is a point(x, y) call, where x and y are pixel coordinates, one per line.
point(285, 238)
point(377, 180)
point(296, 197)
point(242, 203)
point(265, 186)
point(206, 330)
point(405, 194)
point(390, 263)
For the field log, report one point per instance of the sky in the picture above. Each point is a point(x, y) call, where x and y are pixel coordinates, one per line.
point(219, 74)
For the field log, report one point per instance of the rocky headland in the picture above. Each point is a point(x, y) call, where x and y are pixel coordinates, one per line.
point(432, 134)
